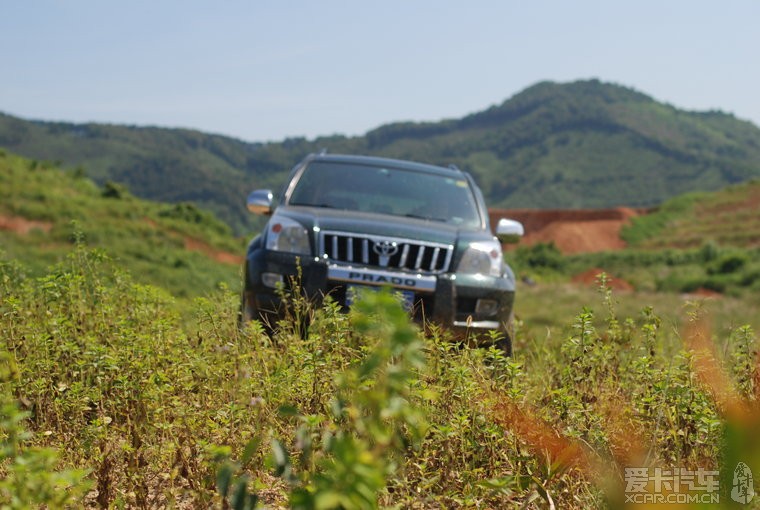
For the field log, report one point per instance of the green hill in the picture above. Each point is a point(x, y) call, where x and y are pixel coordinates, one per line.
point(728, 217)
point(44, 211)
point(580, 144)
point(169, 165)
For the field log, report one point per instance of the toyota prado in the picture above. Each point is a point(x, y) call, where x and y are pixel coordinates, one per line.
point(350, 222)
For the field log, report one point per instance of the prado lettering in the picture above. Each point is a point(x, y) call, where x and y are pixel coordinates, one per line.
point(415, 282)
point(380, 279)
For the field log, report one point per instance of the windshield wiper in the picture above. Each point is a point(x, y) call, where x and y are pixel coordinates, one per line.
point(428, 218)
point(326, 206)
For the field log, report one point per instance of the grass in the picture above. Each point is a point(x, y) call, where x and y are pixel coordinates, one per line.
point(567, 300)
point(725, 269)
point(726, 218)
point(151, 240)
point(159, 412)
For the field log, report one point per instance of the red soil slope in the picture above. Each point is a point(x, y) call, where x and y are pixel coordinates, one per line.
point(218, 255)
point(571, 230)
point(23, 226)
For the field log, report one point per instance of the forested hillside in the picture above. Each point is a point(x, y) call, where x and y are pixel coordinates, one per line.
point(581, 144)
point(170, 165)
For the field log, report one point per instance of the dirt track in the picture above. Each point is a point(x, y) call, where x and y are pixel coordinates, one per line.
point(571, 230)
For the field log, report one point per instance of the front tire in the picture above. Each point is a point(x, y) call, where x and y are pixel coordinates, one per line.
point(245, 312)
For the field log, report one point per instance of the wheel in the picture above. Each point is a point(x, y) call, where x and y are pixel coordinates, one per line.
point(248, 312)
point(245, 313)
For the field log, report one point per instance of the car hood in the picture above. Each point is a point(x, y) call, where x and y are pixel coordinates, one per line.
point(322, 219)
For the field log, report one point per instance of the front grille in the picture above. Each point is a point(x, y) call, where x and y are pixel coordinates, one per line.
point(388, 252)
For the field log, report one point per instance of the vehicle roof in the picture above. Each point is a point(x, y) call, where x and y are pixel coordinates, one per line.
point(390, 162)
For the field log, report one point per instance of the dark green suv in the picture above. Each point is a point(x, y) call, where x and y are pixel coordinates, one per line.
point(350, 222)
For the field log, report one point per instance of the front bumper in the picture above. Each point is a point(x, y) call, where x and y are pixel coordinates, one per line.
point(465, 303)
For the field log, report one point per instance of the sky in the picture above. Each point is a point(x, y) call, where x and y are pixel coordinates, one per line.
point(261, 70)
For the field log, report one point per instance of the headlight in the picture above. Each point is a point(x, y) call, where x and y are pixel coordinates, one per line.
point(287, 235)
point(482, 258)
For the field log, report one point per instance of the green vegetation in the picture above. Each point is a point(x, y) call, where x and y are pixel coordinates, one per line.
point(169, 165)
point(727, 218)
point(118, 391)
point(698, 242)
point(363, 411)
point(29, 475)
point(726, 270)
point(43, 211)
point(582, 144)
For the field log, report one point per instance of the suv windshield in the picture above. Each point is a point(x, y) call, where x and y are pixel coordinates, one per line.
point(387, 190)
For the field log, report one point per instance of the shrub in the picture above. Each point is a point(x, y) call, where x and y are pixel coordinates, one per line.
point(728, 263)
point(114, 190)
point(541, 256)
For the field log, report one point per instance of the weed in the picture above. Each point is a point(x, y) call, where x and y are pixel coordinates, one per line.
point(360, 409)
point(28, 475)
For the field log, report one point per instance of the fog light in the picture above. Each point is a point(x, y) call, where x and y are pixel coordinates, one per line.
point(486, 307)
point(271, 280)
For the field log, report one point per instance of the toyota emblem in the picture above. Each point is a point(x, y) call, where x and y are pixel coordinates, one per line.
point(385, 250)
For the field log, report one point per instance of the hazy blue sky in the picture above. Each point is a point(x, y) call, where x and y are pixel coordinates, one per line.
point(266, 70)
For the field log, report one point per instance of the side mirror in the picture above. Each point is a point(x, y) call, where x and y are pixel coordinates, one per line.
point(260, 201)
point(509, 231)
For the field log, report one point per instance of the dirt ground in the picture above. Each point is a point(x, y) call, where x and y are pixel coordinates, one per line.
point(571, 230)
point(576, 231)
point(220, 256)
point(23, 226)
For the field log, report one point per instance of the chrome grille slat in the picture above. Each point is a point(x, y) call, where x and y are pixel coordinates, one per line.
point(436, 253)
point(420, 253)
point(404, 255)
point(408, 254)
